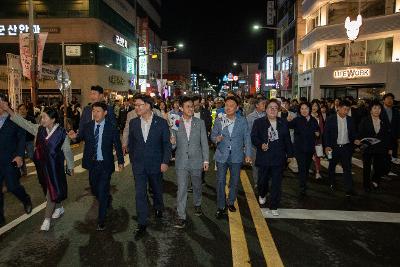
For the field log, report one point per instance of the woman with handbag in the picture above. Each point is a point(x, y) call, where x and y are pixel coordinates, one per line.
point(52, 148)
point(319, 151)
point(375, 152)
point(306, 130)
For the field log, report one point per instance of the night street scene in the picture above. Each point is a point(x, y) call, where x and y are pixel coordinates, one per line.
point(212, 133)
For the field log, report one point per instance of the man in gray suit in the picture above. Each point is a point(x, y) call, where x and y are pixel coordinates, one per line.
point(192, 155)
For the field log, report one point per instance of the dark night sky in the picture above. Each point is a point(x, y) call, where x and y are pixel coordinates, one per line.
point(215, 32)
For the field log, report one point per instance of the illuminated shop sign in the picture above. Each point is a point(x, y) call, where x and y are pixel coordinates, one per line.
point(257, 80)
point(352, 73)
point(120, 41)
point(270, 68)
point(353, 27)
point(143, 61)
point(15, 29)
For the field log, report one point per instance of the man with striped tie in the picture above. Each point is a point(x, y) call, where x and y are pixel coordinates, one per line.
point(100, 136)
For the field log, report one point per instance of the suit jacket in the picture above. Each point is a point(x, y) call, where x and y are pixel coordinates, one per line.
point(12, 140)
point(394, 125)
point(110, 140)
point(123, 114)
point(205, 115)
point(147, 157)
point(239, 141)
point(130, 116)
point(194, 152)
point(87, 116)
point(331, 131)
point(278, 150)
point(366, 129)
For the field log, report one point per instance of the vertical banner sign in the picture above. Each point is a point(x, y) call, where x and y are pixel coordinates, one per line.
point(270, 68)
point(25, 53)
point(14, 79)
point(270, 47)
point(41, 42)
point(257, 81)
point(270, 13)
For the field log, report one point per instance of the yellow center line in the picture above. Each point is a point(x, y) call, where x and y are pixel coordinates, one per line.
point(240, 252)
point(267, 243)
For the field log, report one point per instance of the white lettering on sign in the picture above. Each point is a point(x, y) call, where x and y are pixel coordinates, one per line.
point(351, 73)
point(121, 41)
point(15, 29)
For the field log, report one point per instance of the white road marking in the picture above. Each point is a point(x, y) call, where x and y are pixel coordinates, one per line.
point(77, 169)
point(334, 215)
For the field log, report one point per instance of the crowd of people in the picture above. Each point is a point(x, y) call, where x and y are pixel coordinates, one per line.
point(267, 134)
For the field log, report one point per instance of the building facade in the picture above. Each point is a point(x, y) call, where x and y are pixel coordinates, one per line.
point(101, 41)
point(332, 65)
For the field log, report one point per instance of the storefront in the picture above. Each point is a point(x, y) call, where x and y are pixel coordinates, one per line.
point(361, 82)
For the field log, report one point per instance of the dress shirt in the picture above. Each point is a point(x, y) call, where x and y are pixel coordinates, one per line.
point(197, 115)
point(145, 125)
point(230, 127)
point(99, 152)
point(188, 126)
point(343, 135)
point(3, 119)
point(377, 125)
point(389, 113)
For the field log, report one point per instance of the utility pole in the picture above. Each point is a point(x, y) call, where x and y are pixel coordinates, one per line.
point(32, 47)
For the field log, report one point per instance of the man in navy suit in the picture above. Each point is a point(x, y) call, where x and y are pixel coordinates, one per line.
point(12, 140)
point(100, 136)
point(96, 95)
point(149, 152)
point(339, 137)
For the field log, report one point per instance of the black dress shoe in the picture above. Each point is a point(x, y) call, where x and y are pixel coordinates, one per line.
point(180, 224)
point(28, 206)
point(101, 227)
point(332, 187)
point(198, 211)
point(351, 193)
point(220, 213)
point(140, 232)
point(231, 208)
point(159, 214)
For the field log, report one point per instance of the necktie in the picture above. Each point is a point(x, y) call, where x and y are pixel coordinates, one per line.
point(96, 140)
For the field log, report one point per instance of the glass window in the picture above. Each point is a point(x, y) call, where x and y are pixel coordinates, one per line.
point(336, 55)
point(340, 10)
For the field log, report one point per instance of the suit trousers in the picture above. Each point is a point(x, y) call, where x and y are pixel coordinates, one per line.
point(378, 163)
point(342, 155)
point(141, 181)
point(222, 169)
point(304, 160)
point(182, 176)
point(273, 173)
point(11, 175)
point(254, 167)
point(395, 147)
point(99, 180)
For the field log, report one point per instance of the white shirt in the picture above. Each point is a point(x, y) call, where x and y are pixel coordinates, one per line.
point(377, 125)
point(230, 127)
point(145, 125)
point(197, 115)
point(343, 135)
point(188, 126)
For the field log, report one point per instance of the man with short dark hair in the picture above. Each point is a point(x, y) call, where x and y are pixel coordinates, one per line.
point(101, 138)
point(339, 138)
point(12, 140)
point(149, 152)
point(392, 116)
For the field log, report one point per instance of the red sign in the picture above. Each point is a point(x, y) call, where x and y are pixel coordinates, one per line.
point(235, 78)
point(258, 81)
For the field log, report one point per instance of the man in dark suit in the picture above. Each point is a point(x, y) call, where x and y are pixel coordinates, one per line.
point(123, 113)
point(202, 113)
point(339, 137)
point(96, 95)
point(12, 140)
point(100, 137)
point(391, 116)
point(149, 152)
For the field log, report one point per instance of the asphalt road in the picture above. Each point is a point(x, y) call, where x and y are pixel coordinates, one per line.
point(322, 229)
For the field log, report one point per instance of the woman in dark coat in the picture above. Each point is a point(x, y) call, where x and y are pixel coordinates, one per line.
point(374, 155)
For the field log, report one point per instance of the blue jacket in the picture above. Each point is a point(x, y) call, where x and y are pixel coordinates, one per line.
point(147, 157)
point(110, 140)
point(278, 150)
point(331, 131)
point(12, 140)
point(239, 142)
point(87, 116)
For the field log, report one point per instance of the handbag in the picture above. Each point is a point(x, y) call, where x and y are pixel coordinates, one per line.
point(319, 151)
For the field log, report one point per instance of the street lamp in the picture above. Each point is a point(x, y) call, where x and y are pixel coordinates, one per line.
point(165, 49)
point(235, 64)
